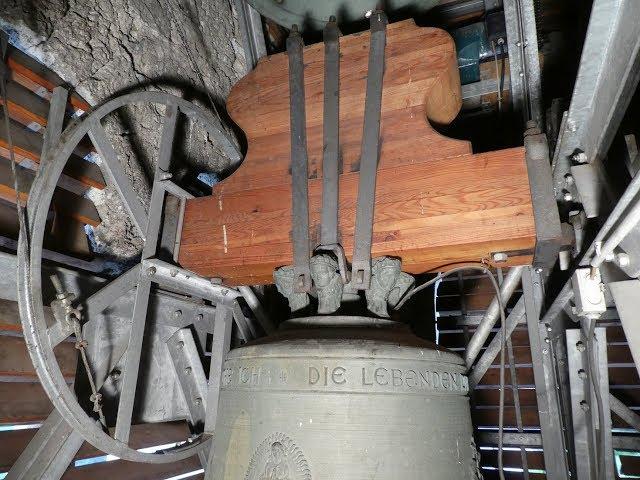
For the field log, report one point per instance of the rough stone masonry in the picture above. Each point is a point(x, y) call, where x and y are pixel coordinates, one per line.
point(106, 47)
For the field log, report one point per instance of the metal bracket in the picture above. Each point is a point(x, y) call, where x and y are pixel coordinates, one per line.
point(584, 406)
point(369, 155)
point(331, 137)
point(299, 167)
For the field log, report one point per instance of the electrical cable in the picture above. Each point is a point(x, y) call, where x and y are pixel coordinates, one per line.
point(484, 269)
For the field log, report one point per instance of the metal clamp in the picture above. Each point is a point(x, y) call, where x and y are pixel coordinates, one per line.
point(299, 167)
point(369, 155)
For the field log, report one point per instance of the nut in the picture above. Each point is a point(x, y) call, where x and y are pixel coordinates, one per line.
point(622, 259)
point(500, 257)
point(584, 405)
point(187, 371)
point(579, 157)
point(177, 314)
point(582, 374)
point(151, 271)
point(580, 346)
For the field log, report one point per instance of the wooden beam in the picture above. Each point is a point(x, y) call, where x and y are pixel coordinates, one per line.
point(62, 234)
point(23, 402)
point(15, 362)
point(12, 443)
point(28, 146)
point(436, 203)
point(31, 74)
point(64, 202)
point(26, 107)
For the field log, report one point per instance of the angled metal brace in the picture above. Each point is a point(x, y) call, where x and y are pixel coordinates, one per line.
point(369, 155)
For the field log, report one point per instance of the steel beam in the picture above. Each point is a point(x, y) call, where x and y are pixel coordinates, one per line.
point(607, 76)
point(552, 422)
point(252, 34)
point(591, 438)
point(524, 64)
point(49, 453)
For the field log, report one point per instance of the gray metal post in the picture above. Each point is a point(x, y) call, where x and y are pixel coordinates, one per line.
point(49, 453)
point(586, 405)
point(551, 420)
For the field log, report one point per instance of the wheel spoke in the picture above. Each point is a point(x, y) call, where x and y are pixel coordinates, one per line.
point(113, 169)
point(219, 349)
point(132, 361)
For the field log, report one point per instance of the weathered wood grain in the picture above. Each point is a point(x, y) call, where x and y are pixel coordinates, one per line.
point(437, 204)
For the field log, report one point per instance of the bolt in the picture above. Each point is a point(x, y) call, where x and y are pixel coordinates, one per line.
point(521, 74)
point(518, 44)
point(567, 197)
point(579, 157)
point(173, 272)
point(549, 329)
point(500, 257)
point(538, 270)
point(584, 406)
point(216, 281)
point(580, 346)
point(545, 351)
point(622, 259)
point(547, 340)
point(187, 371)
point(199, 317)
point(197, 401)
point(115, 375)
point(582, 374)
point(151, 271)
point(180, 344)
point(166, 175)
point(177, 314)
point(568, 179)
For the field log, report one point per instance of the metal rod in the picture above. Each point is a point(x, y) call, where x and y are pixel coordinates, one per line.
point(256, 307)
point(511, 281)
point(618, 234)
point(492, 351)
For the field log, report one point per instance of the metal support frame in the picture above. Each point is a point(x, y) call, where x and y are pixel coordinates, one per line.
point(252, 34)
point(552, 421)
point(299, 165)
point(587, 405)
point(524, 64)
point(32, 290)
point(545, 210)
point(369, 155)
point(50, 451)
point(608, 75)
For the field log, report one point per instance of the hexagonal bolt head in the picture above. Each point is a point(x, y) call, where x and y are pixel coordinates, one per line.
point(579, 157)
point(500, 257)
point(622, 259)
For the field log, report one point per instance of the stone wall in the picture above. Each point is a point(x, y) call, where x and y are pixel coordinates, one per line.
point(191, 48)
